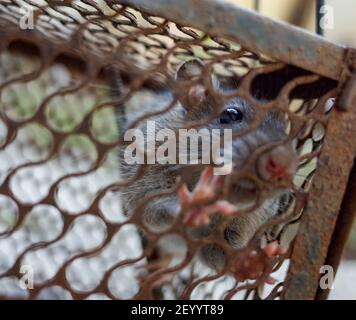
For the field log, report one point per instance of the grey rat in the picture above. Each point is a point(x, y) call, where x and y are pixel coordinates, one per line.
point(236, 114)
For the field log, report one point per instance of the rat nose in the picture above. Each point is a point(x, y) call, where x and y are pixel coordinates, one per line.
point(279, 162)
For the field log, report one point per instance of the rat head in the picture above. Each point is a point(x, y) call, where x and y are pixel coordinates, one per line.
point(273, 156)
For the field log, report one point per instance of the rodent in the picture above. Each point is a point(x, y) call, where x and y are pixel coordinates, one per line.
point(237, 115)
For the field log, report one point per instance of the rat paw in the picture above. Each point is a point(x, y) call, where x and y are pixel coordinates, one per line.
point(251, 264)
point(196, 211)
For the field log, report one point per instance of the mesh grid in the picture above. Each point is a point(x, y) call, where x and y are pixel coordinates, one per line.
point(62, 94)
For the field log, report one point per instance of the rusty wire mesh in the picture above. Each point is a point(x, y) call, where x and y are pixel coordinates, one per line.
point(61, 187)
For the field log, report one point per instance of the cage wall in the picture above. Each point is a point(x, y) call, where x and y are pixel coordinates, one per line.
point(76, 76)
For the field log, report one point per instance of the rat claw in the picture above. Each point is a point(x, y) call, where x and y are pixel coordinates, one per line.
point(198, 216)
point(270, 280)
point(274, 249)
point(204, 190)
point(215, 182)
point(184, 194)
point(251, 263)
point(225, 207)
point(205, 177)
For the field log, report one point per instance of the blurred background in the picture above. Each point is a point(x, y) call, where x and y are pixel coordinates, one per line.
point(79, 154)
point(342, 14)
point(303, 13)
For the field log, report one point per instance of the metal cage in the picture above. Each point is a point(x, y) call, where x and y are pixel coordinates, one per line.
point(68, 68)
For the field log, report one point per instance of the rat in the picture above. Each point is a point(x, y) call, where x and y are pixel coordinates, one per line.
point(196, 201)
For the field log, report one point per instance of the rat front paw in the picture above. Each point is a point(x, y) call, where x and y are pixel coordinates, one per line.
point(250, 263)
point(195, 205)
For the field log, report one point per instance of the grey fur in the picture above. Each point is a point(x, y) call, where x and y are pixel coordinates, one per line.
point(161, 213)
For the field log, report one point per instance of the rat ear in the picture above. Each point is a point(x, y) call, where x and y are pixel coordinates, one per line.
point(196, 93)
point(190, 69)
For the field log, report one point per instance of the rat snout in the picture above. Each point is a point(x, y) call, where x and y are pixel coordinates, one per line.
point(277, 163)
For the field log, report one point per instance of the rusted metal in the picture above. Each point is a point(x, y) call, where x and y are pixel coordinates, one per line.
point(347, 214)
point(72, 58)
point(321, 214)
point(343, 227)
point(347, 98)
point(254, 32)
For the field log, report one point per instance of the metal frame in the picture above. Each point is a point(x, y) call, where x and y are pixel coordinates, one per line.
point(324, 226)
point(253, 31)
point(317, 243)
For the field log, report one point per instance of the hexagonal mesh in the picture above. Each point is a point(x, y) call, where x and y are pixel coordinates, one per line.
point(75, 217)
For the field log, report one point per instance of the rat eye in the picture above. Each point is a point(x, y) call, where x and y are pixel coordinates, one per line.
point(231, 115)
